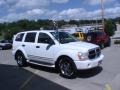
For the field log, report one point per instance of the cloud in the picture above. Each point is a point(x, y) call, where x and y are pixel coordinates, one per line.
point(28, 4)
point(2, 2)
point(7, 3)
point(15, 5)
point(95, 2)
point(30, 14)
point(23, 5)
point(112, 12)
point(72, 13)
point(117, 4)
point(60, 1)
point(35, 12)
point(81, 13)
point(78, 13)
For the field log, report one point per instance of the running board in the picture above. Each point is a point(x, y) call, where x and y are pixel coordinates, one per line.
point(41, 63)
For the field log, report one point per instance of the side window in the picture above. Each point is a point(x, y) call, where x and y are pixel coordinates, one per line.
point(19, 37)
point(44, 38)
point(30, 37)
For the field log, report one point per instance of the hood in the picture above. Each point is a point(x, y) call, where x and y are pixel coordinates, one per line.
point(80, 46)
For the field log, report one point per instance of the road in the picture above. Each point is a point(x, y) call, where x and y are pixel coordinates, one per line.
point(106, 77)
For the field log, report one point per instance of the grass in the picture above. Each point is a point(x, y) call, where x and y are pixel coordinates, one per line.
point(1, 37)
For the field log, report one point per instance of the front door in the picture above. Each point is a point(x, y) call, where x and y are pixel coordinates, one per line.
point(45, 49)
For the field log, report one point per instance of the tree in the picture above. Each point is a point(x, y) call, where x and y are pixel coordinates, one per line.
point(61, 23)
point(12, 31)
point(73, 22)
point(110, 27)
point(24, 24)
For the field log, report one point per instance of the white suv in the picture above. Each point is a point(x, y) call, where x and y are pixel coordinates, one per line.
point(55, 49)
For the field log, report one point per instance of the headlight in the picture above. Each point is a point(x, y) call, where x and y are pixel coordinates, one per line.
point(82, 56)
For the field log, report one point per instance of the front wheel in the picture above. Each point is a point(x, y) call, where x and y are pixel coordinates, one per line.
point(67, 68)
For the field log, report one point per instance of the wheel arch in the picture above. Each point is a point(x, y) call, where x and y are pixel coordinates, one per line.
point(60, 57)
point(19, 52)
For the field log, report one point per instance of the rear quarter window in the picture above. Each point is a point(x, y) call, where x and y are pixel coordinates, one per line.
point(19, 37)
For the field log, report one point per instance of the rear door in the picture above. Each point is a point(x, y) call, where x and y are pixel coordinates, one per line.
point(29, 44)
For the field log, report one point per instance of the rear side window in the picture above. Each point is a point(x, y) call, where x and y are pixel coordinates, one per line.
point(30, 37)
point(19, 37)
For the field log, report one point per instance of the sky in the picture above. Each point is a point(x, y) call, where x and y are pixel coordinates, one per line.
point(13, 10)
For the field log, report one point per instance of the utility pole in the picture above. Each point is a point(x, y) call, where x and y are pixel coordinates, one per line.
point(56, 29)
point(102, 13)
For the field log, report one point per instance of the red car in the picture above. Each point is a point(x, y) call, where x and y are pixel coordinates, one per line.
point(99, 37)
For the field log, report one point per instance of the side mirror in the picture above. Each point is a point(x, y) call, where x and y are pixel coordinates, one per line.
point(51, 42)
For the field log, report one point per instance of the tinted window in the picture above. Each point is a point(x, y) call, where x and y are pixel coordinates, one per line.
point(30, 37)
point(19, 37)
point(44, 38)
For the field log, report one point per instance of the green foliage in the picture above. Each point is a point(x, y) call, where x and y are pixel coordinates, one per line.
point(74, 22)
point(1, 37)
point(61, 23)
point(110, 27)
point(9, 29)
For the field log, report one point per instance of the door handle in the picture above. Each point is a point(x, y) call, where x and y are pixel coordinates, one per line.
point(23, 45)
point(37, 46)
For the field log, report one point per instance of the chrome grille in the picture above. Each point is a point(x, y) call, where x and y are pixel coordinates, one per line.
point(94, 53)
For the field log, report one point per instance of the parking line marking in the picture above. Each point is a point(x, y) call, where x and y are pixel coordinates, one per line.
point(27, 81)
point(108, 87)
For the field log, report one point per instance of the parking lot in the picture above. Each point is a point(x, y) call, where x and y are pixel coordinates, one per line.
point(106, 77)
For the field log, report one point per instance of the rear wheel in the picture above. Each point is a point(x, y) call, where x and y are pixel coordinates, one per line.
point(108, 43)
point(67, 68)
point(21, 61)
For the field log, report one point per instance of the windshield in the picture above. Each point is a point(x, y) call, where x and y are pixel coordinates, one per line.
point(64, 37)
point(100, 33)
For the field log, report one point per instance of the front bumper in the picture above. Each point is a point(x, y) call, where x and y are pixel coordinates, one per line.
point(88, 64)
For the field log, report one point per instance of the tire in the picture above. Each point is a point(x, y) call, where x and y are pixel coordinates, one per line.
point(89, 38)
point(67, 68)
point(1, 48)
point(108, 43)
point(102, 45)
point(21, 61)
